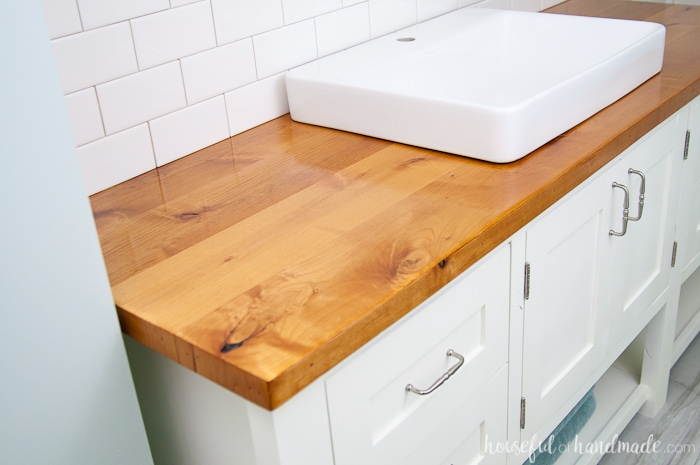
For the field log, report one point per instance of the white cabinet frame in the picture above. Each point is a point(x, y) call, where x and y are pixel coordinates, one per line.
point(620, 309)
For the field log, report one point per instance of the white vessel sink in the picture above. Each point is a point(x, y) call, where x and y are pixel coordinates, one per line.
point(487, 84)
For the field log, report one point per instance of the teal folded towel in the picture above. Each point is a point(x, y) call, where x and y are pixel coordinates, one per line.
point(565, 432)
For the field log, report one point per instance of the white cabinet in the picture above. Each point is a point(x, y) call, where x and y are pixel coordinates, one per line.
point(375, 419)
point(473, 433)
point(598, 271)
point(689, 212)
point(591, 294)
point(688, 237)
point(598, 261)
point(565, 328)
point(641, 259)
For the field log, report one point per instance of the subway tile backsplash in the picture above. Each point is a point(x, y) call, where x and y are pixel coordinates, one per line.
point(219, 70)
point(62, 17)
point(98, 13)
point(256, 103)
point(85, 117)
point(114, 159)
point(284, 48)
point(299, 10)
point(185, 131)
point(427, 10)
point(93, 57)
point(238, 19)
point(386, 16)
point(342, 29)
point(141, 96)
point(150, 81)
point(172, 34)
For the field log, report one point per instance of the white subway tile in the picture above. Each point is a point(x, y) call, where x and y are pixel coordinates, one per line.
point(347, 3)
point(299, 10)
point(172, 34)
point(238, 19)
point(176, 3)
point(116, 158)
point(495, 4)
point(93, 57)
point(62, 17)
point(218, 70)
point(85, 118)
point(285, 48)
point(140, 97)
point(527, 5)
point(428, 9)
point(342, 29)
point(256, 103)
point(466, 3)
point(550, 3)
point(96, 13)
point(188, 130)
point(391, 15)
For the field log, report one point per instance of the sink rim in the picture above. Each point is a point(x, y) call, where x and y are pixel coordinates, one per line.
point(499, 134)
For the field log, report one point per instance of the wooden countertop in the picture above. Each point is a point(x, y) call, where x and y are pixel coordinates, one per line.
point(264, 260)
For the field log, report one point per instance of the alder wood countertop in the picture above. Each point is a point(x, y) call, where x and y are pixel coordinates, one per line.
point(266, 259)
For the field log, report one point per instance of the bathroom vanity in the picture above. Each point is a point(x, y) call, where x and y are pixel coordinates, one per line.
point(281, 290)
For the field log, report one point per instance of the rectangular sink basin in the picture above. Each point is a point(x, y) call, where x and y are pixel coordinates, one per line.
point(487, 84)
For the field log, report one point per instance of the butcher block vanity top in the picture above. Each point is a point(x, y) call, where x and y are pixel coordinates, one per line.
point(264, 260)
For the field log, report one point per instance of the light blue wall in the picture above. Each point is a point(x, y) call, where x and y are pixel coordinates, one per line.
point(66, 392)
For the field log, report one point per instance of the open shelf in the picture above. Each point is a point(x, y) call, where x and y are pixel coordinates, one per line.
point(688, 322)
point(619, 396)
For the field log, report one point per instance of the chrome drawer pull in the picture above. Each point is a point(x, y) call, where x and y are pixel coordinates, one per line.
point(442, 379)
point(642, 187)
point(625, 210)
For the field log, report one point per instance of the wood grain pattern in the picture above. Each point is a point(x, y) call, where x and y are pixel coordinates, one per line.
point(264, 260)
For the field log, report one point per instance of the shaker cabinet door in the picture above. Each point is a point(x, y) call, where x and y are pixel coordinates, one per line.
point(642, 257)
point(688, 237)
point(689, 211)
point(598, 260)
point(565, 325)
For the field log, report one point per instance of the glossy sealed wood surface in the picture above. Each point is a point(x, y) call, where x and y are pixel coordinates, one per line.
point(264, 260)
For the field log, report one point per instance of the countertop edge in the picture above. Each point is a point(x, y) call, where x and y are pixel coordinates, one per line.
point(271, 393)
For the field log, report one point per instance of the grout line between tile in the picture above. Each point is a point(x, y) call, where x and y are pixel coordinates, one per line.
point(184, 87)
point(133, 44)
point(99, 108)
point(153, 147)
point(228, 119)
point(80, 18)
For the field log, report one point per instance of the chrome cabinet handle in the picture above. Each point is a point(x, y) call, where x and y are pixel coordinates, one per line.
point(441, 379)
point(625, 210)
point(642, 187)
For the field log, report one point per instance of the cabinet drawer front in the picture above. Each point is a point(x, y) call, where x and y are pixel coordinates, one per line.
point(476, 433)
point(374, 419)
